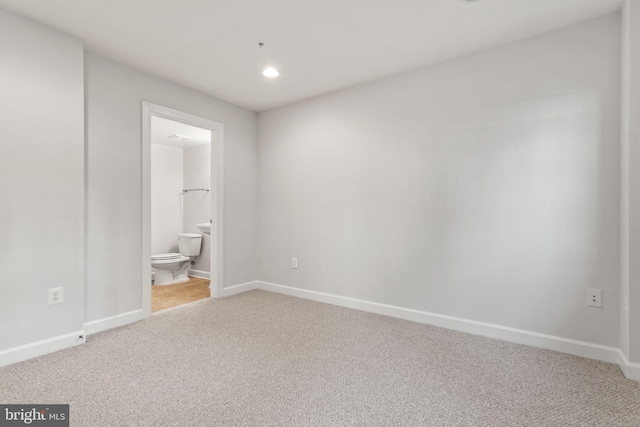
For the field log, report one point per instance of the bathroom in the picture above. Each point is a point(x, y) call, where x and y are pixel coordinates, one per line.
point(180, 213)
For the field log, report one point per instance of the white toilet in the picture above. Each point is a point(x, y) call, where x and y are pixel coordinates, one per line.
point(174, 268)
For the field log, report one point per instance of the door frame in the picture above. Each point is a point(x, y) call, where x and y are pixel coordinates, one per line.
point(217, 197)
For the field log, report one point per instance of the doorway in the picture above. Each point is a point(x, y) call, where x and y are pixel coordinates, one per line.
point(154, 115)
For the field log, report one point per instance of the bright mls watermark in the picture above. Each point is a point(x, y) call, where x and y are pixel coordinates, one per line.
point(34, 415)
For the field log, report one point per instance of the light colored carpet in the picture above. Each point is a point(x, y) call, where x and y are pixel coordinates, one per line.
point(263, 359)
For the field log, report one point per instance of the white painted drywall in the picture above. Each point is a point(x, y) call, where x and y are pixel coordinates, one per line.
point(42, 185)
point(114, 93)
point(486, 188)
point(167, 183)
point(631, 136)
point(197, 204)
point(624, 182)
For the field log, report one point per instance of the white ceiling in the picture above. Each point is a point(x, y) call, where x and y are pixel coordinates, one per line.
point(162, 129)
point(318, 46)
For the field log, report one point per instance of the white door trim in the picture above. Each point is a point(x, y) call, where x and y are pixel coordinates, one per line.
point(217, 197)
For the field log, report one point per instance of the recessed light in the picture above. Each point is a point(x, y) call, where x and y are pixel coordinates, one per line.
point(270, 72)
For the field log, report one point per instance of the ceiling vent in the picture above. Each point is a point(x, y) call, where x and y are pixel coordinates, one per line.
point(180, 137)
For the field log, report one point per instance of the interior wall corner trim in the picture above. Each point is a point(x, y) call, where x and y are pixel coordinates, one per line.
point(100, 325)
point(630, 370)
point(238, 289)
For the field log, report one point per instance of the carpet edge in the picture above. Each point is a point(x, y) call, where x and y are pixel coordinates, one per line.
point(504, 333)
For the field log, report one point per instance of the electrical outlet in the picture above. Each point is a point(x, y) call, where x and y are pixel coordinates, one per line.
point(625, 305)
point(294, 262)
point(594, 297)
point(56, 296)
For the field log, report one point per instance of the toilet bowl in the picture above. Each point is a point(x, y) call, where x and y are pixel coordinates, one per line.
point(173, 268)
point(170, 268)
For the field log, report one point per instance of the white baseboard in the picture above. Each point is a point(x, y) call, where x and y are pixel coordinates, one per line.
point(39, 348)
point(238, 289)
point(534, 339)
point(630, 370)
point(200, 274)
point(100, 325)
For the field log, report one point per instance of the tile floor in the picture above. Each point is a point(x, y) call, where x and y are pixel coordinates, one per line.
point(168, 296)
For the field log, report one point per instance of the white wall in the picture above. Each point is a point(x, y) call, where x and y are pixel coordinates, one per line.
point(624, 183)
point(114, 93)
point(167, 183)
point(42, 168)
point(484, 188)
point(197, 204)
point(630, 326)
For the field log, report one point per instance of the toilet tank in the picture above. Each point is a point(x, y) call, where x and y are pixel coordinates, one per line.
point(189, 244)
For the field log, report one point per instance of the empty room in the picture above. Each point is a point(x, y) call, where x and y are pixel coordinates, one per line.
point(294, 213)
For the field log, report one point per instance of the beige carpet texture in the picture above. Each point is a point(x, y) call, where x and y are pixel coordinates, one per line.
point(263, 359)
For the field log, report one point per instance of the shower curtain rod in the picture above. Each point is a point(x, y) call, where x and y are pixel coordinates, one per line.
point(195, 189)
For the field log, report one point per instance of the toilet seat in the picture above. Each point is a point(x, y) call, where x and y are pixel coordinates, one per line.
point(168, 258)
point(165, 256)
